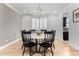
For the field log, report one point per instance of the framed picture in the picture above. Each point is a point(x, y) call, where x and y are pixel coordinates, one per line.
point(76, 15)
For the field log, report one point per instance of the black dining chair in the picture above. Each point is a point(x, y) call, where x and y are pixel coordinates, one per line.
point(48, 41)
point(22, 32)
point(27, 42)
point(52, 33)
point(42, 30)
point(32, 30)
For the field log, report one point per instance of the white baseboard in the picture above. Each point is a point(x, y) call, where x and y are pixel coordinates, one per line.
point(8, 44)
point(75, 47)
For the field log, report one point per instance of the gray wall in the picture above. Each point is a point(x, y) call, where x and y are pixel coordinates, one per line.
point(9, 25)
point(73, 27)
point(53, 22)
point(26, 22)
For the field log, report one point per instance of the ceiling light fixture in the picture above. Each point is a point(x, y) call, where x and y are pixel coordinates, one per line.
point(39, 11)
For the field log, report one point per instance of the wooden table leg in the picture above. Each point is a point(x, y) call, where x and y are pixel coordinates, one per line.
point(36, 45)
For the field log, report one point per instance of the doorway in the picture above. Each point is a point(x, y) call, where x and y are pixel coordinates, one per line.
point(65, 27)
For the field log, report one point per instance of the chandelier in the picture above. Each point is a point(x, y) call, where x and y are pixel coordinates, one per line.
point(39, 11)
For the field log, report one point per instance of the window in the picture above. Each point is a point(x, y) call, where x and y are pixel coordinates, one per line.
point(39, 23)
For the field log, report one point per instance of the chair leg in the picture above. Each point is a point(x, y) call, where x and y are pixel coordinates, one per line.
point(36, 48)
point(23, 51)
point(30, 51)
point(45, 51)
point(52, 51)
point(53, 45)
point(22, 46)
point(39, 48)
point(36, 45)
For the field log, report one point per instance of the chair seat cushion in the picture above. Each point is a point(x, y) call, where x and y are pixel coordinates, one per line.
point(29, 44)
point(45, 45)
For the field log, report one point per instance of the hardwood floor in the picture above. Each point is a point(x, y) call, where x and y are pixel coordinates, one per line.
point(61, 49)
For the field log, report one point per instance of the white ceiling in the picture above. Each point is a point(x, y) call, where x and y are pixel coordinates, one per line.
point(51, 8)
